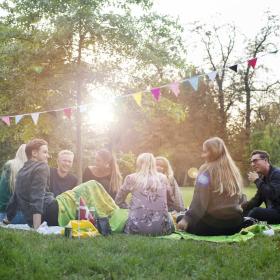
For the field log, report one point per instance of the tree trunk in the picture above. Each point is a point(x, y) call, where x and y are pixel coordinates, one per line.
point(248, 108)
point(79, 116)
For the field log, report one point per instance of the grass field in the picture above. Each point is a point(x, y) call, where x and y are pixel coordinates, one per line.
point(28, 255)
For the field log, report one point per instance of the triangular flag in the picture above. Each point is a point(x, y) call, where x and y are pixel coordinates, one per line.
point(252, 62)
point(18, 118)
point(175, 88)
point(35, 117)
point(83, 108)
point(233, 68)
point(212, 75)
point(194, 82)
point(138, 98)
point(68, 112)
point(6, 120)
point(84, 213)
point(156, 93)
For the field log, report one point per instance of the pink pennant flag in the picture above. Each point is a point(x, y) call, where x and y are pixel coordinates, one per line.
point(6, 120)
point(252, 62)
point(68, 112)
point(175, 88)
point(156, 93)
point(35, 117)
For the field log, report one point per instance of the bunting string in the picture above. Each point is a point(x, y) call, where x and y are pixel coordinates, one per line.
point(156, 92)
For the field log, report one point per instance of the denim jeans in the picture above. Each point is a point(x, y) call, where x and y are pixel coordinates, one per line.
point(18, 219)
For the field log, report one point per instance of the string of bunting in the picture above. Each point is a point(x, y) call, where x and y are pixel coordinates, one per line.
point(156, 93)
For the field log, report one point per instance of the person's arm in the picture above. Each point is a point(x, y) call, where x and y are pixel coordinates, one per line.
point(75, 181)
point(11, 209)
point(178, 199)
point(38, 186)
point(51, 186)
point(200, 200)
point(6, 193)
point(169, 192)
point(270, 190)
point(124, 190)
point(86, 175)
point(37, 220)
point(256, 201)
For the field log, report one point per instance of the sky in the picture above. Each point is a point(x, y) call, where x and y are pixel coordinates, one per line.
point(247, 15)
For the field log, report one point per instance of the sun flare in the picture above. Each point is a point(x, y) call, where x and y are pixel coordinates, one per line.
point(101, 114)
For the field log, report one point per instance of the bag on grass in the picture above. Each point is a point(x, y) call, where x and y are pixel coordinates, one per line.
point(103, 225)
point(82, 229)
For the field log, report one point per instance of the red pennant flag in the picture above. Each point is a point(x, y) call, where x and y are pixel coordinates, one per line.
point(68, 112)
point(252, 62)
point(156, 93)
point(84, 213)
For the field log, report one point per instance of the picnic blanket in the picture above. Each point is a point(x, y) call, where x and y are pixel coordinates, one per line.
point(43, 228)
point(119, 218)
point(96, 196)
point(93, 194)
point(244, 235)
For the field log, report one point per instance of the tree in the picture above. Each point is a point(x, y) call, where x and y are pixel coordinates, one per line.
point(262, 42)
point(71, 46)
point(219, 43)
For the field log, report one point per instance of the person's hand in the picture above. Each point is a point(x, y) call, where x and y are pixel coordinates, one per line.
point(6, 221)
point(182, 225)
point(253, 176)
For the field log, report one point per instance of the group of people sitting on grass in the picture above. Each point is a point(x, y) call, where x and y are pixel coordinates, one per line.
point(31, 192)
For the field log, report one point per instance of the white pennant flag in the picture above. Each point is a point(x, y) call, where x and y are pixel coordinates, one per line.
point(194, 82)
point(18, 118)
point(35, 117)
point(83, 108)
point(212, 75)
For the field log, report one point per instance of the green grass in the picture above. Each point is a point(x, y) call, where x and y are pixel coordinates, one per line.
point(27, 255)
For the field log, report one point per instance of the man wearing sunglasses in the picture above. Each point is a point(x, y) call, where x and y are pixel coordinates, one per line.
point(267, 179)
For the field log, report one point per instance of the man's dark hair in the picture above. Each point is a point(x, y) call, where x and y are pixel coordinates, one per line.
point(32, 145)
point(263, 154)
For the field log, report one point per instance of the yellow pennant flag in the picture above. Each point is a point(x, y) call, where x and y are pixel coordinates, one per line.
point(138, 98)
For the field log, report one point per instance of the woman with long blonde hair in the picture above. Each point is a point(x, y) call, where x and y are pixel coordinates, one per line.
point(216, 205)
point(105, 171)
point(148, 211)
point(8, 181)
point(175, 202)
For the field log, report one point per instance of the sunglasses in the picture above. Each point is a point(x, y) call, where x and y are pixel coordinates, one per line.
point(256, 160)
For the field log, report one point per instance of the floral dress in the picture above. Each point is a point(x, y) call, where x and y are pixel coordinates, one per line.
point(148, 211)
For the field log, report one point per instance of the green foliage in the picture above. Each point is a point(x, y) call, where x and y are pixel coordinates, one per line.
point(268, 139)
point(46, 45)
point(127, 163)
